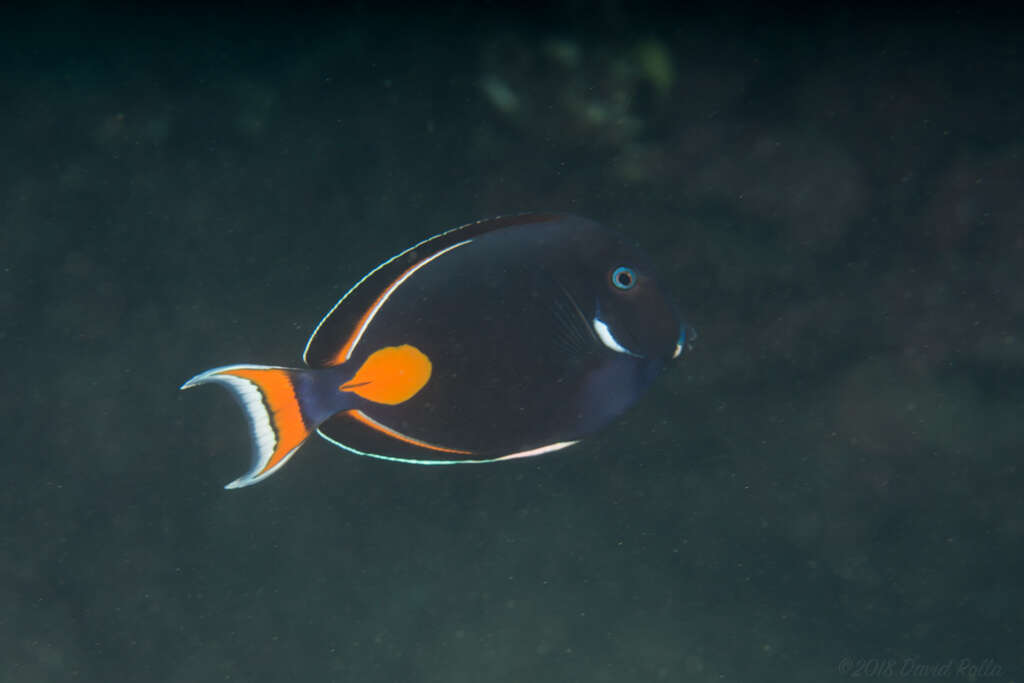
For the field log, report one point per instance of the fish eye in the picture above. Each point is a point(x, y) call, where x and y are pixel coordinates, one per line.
point(624, 277)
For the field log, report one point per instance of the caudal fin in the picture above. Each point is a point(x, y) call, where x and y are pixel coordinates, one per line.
point(276, 420)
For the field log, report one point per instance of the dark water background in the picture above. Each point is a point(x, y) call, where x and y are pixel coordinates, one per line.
point(829, 479)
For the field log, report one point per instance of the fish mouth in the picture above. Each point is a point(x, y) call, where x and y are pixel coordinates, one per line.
point(687, 335)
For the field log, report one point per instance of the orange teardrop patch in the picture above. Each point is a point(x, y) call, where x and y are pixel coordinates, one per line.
point(391, 375)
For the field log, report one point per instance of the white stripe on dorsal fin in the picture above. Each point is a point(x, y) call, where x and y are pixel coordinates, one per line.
point(330, 342)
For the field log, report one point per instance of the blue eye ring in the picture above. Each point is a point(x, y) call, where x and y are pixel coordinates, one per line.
point(624, 278)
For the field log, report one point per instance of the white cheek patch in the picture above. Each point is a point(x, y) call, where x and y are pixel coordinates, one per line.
point(608, 339)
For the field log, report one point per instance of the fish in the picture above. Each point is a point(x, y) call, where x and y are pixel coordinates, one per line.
point(501, 339)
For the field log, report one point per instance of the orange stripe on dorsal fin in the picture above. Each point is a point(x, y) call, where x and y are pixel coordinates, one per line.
point(346, 351)
point(391, 375)
point(338, 333)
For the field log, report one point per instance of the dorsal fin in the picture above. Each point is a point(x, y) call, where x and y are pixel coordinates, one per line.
point(334, 338)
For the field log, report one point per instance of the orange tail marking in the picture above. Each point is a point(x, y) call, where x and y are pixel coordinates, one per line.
point(285, 415)
point(391, 375)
